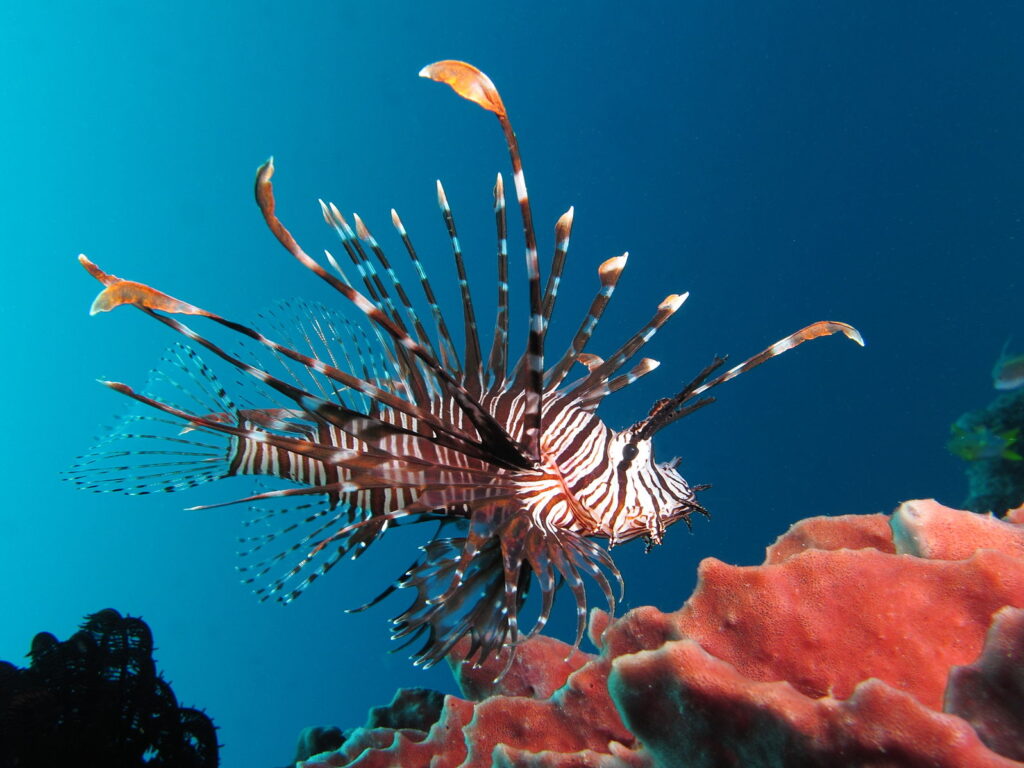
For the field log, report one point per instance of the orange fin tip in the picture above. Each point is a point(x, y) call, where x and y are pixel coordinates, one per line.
point(849, 332)
point(139, 295)
point(467, 81)
point(264, 189)
point(95, 271)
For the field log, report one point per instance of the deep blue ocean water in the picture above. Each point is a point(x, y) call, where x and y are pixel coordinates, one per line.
point(784, 162)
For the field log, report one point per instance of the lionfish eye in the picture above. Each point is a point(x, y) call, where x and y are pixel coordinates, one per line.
point(629, 452)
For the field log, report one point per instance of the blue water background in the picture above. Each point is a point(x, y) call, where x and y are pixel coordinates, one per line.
point(785, 162)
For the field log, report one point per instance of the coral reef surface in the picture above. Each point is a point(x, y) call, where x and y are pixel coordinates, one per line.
point(861, 640)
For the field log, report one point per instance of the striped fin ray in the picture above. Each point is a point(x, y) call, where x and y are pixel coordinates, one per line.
point(516, 578)
point(444, 433)
point(472, 610)
point(481, 527)
point(421, 333)
point(298, 515)
point(345, 538)
point(812, 331)
point(373, 366)
point(385, 356)
point(563, 228)
point(384, 348)
point(473, 377)
point(318, 330)
point(440, 491)
point(566, 566)
point(441, 630)
point(365, 428)
point(306, 528)
point(376, 291)
point(482, 604)
point(407, 365)
point(147, 453)
point(498, 358)
point(595, 395)
point(449, 357)
point(324, 408)
point(416, 479)
point(473, 85)
point(354, 529)
point(332, 216)
point(609, 273)
point(323, 334)
point(377, 437)
point(351, 528)
point(258, 402)
point(599, 374)
point(672, 409)
point(368, 274)
point(491, 433)
point(544, 572)
point(433, 541)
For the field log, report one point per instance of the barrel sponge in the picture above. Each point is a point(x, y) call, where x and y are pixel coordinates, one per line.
point(884, 640)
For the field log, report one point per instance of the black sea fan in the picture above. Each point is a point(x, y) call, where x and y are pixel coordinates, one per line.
point(387, 423)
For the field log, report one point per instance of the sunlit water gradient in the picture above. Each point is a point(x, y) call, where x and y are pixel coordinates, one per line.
point(784, 162)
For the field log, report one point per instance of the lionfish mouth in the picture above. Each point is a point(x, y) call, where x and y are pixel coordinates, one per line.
point(378, 422)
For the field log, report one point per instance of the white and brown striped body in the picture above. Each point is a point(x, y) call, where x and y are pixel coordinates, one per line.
point(577, 487)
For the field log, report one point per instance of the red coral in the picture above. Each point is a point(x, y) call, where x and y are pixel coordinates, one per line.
point(989, 694)
point(705, 714)
point(824, 621)
point(836, 652)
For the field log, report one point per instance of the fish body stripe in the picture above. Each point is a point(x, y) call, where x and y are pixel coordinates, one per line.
point(579, 490)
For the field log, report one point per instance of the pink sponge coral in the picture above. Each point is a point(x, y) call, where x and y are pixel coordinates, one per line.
point(837, 651)
point(989, 694)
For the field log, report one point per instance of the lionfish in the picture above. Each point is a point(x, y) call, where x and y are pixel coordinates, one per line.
point(383, 424)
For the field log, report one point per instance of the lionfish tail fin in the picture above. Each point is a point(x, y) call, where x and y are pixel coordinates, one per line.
point(150, 452)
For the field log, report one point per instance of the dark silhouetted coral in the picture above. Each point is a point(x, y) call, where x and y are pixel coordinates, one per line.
point(862, 640)
point(415, 708)
point(96, 699)
point(317, 739)
point(412, 712)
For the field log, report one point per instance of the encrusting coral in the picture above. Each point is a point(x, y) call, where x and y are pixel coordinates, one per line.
point(862, 640)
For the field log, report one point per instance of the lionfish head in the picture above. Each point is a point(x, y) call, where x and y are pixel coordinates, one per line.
point(668, 496)
point(654, 494)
